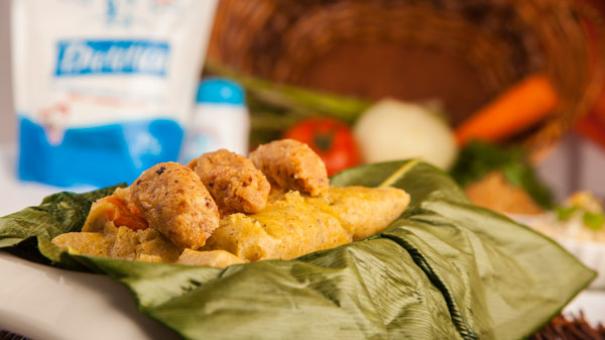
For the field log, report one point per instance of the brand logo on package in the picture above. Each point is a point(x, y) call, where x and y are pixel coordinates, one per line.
point(88, 57)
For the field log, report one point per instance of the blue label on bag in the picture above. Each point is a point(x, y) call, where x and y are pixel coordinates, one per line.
point(87, 57)
point(98, 155)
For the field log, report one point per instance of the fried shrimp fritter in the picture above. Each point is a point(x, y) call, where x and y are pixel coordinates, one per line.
point(233, 181)
point(174, 201)
point(290, 164)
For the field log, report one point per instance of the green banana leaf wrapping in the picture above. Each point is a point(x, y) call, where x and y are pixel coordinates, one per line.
point(444, 270)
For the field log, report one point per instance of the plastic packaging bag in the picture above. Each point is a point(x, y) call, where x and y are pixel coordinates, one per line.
point(103, 87)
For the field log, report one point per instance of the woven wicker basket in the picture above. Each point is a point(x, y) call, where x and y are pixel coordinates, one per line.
point(464, 52)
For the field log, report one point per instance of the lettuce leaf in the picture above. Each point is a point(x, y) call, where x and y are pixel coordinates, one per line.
point(444, 270)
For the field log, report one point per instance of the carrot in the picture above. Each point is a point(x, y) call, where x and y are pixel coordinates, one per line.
point(123, 216)
point(521, 106)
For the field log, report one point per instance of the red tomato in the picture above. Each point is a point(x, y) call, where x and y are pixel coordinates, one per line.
point(331, 139)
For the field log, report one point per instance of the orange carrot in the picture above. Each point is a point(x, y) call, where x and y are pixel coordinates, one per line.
point(521, 106)
point(124, 216)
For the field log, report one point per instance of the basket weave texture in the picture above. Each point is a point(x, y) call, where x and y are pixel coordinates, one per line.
point(502, 40)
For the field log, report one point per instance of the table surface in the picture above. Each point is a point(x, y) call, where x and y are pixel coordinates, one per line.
point(19, 194)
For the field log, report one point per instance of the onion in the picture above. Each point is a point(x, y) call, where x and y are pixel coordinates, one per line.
point(392, 130)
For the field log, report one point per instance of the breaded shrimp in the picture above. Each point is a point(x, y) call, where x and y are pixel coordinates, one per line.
point(233, 181)
point(290, 164)
point(174, 201)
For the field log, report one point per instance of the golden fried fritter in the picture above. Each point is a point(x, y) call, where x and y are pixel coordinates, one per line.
point(293, 225)
point(121, 242)
point(292, 165)
point(233, 181)
point(287, 228)
point(364, 211)
point(212, 258)
point(133, 245)
point(173, 200)
point(245, 237)
point(88, 243)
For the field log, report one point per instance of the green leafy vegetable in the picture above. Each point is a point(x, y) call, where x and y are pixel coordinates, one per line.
point(443, 270)
point(594, 221)
point(477, 159)
point(566, 213)
point(296, 100)
point(586, 206)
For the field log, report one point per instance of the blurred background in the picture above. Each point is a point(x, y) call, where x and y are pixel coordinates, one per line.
point(523, 76)
point(8, 119)
point(457, 56)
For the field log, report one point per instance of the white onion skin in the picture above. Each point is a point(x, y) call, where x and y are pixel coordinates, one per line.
point(393, 130)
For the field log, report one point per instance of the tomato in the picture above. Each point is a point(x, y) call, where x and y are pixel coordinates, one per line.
point(331, 139)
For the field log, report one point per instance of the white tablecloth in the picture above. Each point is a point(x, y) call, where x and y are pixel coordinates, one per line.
point(16, 194)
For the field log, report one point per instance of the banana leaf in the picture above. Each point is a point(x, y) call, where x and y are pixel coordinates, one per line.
point(444, 270)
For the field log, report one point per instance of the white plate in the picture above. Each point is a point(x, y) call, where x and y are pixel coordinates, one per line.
point(592, 303)
point(48, 303)
point(42, 302)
